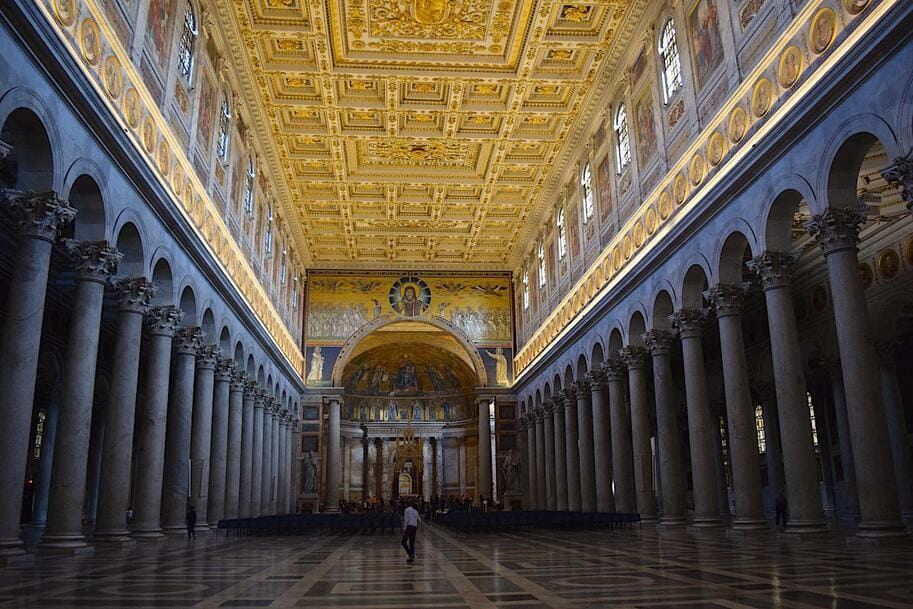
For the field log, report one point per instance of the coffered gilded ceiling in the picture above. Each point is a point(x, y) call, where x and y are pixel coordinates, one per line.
point(420, 133)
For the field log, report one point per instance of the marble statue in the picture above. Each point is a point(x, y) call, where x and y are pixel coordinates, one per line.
point(510, 473)
point(310, 473)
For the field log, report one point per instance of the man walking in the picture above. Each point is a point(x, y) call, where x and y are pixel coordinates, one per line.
point(191, 522)
point(410, 527)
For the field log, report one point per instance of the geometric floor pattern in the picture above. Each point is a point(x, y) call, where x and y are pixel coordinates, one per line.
point(536, 569)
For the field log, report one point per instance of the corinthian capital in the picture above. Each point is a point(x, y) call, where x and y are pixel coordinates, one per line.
point(726, 298)
point(94, 260)
point(900, 173)
point(596, 379)
point(225, 370)
point(135, 293)
point(188, 340)
point(38, 214)
point(208, 356)
point(582, 388)
point(688, 322)
point(615, 370)
point(773, 268)
point(164, 320)
point(838, 227)
point(634, 357)
point(558, 403)
point(659, 341)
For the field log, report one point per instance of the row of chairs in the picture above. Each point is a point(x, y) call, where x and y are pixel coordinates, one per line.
point(529, 519)
point(297, 524)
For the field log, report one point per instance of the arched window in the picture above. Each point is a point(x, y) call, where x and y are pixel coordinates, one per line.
point(224, 125)
point(295, 292)
point(249, 187)
point(540, 253)
point(282, 265)
point(759, 426)
point(188, 38)
point(622, 141)
point(672, 63)
point(589, 201)
point(268, 230)
point(562, 234)
point(525, 289)
point(811, 416)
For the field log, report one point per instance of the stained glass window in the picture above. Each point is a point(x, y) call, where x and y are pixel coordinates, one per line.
point(759, 426)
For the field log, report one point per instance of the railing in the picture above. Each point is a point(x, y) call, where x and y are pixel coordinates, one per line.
point(298, 524)
point(524, 519)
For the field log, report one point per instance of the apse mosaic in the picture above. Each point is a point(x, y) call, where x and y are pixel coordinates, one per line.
point(408, 382)
point(342, 304)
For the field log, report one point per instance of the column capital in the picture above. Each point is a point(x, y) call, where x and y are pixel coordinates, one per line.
point(135, 293)
point(635, 357)
point(900, 173)
point(726, 298)
point(94, 260)
point(521, 422)
point(597, 379)
point(38, 214)
point(582, 388)
point(659, 341)
point(615, 370)
point(548, 407)
point(225, 370)
point(188, 340)
point(558, 403)
point(838, 227)
point(208, 356)
point(570, 395)
point(164, 320)
point(237, 381)
point(775, 269)
point(688, 322)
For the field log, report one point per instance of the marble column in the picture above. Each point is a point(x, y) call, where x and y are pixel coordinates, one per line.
point(897, 427)
point(602, 441)
point(334, 456)
point(248, 389)
point(266, 476)
point(541, 486)
point(135, 294)
point(669, 448)
point(688, 322)
point(850, 490)
point(176, 481)
point(95, 262)
point(571, 449)
point(837, 232)
point(620, 427)
point(548, 434)
point(379, 467)
point(636, 359)
point(427, 467)
point(201, 432)
point(274, 465)
point(742, 438)
point(532, 479)
point(560, 453)
point(218, 451)
point(585, 446)
point(37, 217)
point(776, 475)
point(800, 465)
point(256, 476)
point(484, 479)
point(162, 322)
point(365, 467)
point(439, 464)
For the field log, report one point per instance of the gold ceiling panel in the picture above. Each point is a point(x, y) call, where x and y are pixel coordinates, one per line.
point(424, 131)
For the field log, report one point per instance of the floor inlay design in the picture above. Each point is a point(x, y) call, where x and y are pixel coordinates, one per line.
point(547, 569)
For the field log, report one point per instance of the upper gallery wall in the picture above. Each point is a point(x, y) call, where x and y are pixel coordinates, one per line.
point(703, 82)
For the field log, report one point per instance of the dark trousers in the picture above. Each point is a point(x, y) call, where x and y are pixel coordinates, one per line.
point(191, 532)
point(409, 541)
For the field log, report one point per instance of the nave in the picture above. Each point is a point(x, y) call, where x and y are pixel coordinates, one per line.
point(536, 569)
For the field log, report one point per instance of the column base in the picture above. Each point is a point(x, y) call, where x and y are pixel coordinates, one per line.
point(672, 521)
point(806, 527)
point(650, 519)
point(147, 534)
point(67, 543)
point(706, 522)
point(749, 524)
point(881, 529)
point(174, 530)
point(10, 548)
point(114, 541)
point(44, 549)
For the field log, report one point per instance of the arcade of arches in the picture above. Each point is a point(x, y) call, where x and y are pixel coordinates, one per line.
point(285, 266)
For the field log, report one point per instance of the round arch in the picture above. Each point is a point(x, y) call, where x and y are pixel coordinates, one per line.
point(345, 354)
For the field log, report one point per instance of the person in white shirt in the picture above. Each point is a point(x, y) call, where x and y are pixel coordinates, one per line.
point(410, 527)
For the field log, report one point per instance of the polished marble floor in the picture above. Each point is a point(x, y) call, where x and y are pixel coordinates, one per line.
point(538, 569)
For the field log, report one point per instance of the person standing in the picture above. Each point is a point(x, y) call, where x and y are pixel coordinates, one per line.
point(191, 523)
point(410, 528)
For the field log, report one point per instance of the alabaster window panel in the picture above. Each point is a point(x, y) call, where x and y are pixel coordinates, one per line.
point(187, 43)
